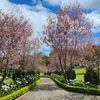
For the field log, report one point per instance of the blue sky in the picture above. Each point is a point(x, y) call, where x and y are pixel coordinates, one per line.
point(37, 11)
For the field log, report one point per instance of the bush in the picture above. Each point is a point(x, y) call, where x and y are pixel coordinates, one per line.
point(70, 74)
point(47, 73)
point(32, 72)
point(10, 72)
point(38, 72)
point(91, 76)
point(57, 72)
point(19, 83)
point(59, 77)
point(20, 75)
point(17, 74)
point(88, 90)
point(19, 92)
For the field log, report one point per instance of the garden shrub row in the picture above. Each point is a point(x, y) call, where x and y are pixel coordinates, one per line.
point(85, 90)
point(20, 92)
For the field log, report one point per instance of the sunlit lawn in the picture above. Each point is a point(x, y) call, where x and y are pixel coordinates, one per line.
point(80, 77)
point(80, 73)
point(8, 81)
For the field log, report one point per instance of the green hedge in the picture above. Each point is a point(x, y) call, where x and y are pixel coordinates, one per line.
point(20, 92)
point(85, 90)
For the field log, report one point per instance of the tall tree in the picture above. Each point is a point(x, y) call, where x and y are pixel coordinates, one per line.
point(14, 31)
point(68, 31)
point(56, 34)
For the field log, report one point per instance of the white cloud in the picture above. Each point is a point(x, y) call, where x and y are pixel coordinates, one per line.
point(6, 5)
point(36, 18)
point(95, 16)
point(84, 3)
point(39, 14)
point(53, 2)
point(36, 14)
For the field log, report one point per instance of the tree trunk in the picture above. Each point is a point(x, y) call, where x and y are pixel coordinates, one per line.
point(98, 73)
point(60, 64)
point(3, 77)
point(5, 66)
point(64, 61)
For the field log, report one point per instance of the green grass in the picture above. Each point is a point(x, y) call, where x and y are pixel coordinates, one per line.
point(8, 81)
point(80, 71)
point(80, 77)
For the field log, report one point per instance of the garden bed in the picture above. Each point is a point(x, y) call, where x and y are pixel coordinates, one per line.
point(20, 92)
point(79, 89)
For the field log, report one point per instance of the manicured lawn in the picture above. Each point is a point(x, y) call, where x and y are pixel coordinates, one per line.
point(8, 81)
point(80, 77)
point(80, 73)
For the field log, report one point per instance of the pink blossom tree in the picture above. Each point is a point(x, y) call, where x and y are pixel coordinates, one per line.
point(68, 31)
point(80, 31)
point(28, 53)
point(56, 33)
point(14, 31)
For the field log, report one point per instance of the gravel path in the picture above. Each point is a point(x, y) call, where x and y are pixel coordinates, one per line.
point(48, 90)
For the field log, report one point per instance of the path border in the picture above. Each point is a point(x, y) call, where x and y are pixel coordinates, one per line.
point(77, 89)
point(21, 91)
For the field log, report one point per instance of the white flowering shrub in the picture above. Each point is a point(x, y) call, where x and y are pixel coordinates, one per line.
point(19, 83)
point(73, 82)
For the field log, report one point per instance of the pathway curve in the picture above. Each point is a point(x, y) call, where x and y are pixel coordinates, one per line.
point(48, 90)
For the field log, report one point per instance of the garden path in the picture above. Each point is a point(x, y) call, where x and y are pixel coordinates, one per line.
point(48, 90)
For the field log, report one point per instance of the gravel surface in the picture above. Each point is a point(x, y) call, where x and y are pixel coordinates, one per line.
point(48, 90)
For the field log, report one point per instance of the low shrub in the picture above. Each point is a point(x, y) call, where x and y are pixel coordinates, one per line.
point(17, 74)
point(57, 72)
point(47, 73)
point(60, 78)
point(91, 76)
point(88, 90)
point(32, 72)
point(38, 72)
point(19, 83)
point(10, 72)
point(70, 74)
point(74, 82)
point(19, 92)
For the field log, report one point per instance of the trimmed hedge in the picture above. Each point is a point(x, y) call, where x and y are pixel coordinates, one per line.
point(91, 76)
point(85, 90)
point(20, 92)
point(70, 74)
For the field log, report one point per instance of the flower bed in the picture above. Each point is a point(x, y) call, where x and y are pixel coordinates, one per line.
point(19, 92)
point(76, 86)
point(7, 89)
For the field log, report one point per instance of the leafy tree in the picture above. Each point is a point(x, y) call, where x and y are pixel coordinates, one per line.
point(45, 59)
